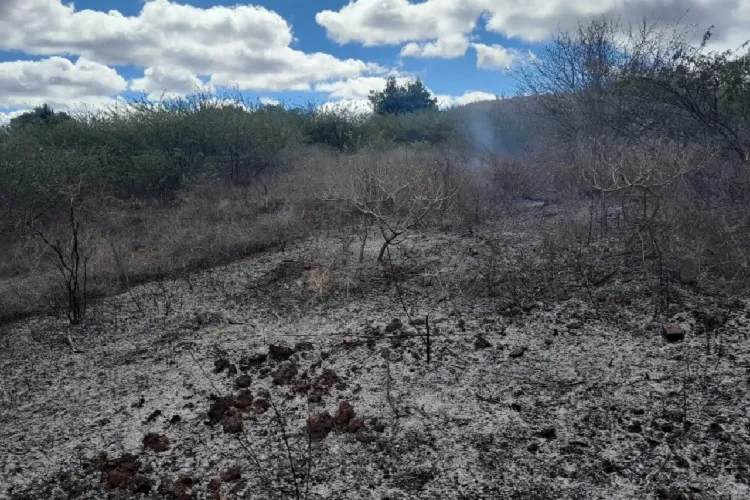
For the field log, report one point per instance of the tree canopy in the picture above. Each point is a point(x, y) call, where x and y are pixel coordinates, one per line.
point(398, 99)
point(43, 114)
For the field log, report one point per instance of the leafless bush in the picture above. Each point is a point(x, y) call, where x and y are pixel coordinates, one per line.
point(395, 192)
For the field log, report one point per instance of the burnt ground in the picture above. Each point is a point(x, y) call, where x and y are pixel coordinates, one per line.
point(286, 376)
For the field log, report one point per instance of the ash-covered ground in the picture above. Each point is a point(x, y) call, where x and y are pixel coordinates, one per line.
point(297, 374)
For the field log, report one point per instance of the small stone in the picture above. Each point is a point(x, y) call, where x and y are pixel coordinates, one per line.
point(344, 415)
point(232, 474)
point(318, 426)
point(217, 410)
point(667, 427)
point(461, 325)
point(481, 343)
point(243, 399)
point(153, 416)
point(364, 437)
point(575, 324)
point(394, 325)
point(285, 373)
point(518, 352)
point(303, 346)
point(231, 370)
point(548, 341)
point(156, 442)
point(220, 365)
point(672, 332)
point(232, 423)
point(250, 361)
point(350, 341)
point(533, 447)
point(635, 427)
point(548, 433)
point(141, 484)
point(239, 486)
point(261, 405)
point(176, 419)
point(279, 352)
point(242, 381)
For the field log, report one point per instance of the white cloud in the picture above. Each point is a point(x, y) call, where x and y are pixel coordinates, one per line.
point(391, 22)
point(447, 47)
point(58, 82)
point(379, 22)
point(447, 101)
point(494, 56)
point(357, 88)
point(161, 83)
point(245, 46)
point(269, 101)
point(5, 118)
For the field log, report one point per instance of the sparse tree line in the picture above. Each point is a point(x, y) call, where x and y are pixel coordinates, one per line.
point(646, 129)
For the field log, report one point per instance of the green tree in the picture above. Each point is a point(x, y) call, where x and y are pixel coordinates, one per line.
point(43, 114)
point(398, 99)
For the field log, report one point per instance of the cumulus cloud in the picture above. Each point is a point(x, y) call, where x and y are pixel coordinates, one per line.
point(355, 107)
point(163, 82)
point(447, 101)
point(495, 56)
point(448, 47)
point(420, 23)
point(59, 82)
point(269, 101)
point(357, 88)
point(245, 46)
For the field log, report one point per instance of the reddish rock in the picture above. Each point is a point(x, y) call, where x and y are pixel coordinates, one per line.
point(344, 415)
point(261, 405)
point(156, 442)
point(672, 332)
point(279, 352)
point(318, 426)
point(141, 484)
point(243, 399)
point(243, 381)
point(120, 477)
point(232, 423)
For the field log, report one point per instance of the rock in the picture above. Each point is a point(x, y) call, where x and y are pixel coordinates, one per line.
point(635, 427)
point(461, 325)
point(250, 361)
point(574, 324)
point(319, 425)
point(344, 415)
point(141, 484)
point(232, 474)
point(394, 325)
point(261, 405)
point(303, 346)
point(533, 447)
point(243, 399)
point(364, 437)
point(239, 486)
point(217, 410)
point(419, 322)
point(231, 370)
point(284, 373)
point(351, 341)
point(671, 493)
point(153, 416)
point(156, 442)
point(176, 419)
point(279, 352)
point(221, 364)
point(120, 477)
point(355, 425)
point(548, 342)
point(672, 332)
point(548, 433)
point(242, 381)
point(232, 423)
point(481, 343)
point(518, 352)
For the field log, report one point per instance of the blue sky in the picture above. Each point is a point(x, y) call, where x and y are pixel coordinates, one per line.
point(93, 52)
